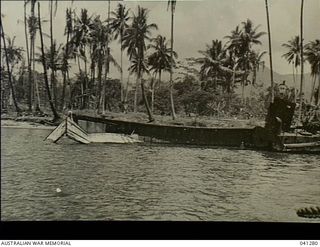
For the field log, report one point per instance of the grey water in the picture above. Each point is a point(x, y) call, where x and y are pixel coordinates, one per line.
point(151, 181)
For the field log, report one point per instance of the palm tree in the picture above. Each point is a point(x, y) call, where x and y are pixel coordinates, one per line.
point(100, 38)
point(270, 52)
point(14, 53)
point(313, 57)
point(172, 4)
point(248, 37)
point(302, 61)
point(240, 43)
point(135, 41)
point(57, 62)
point(211, 64)
point(56, 116)
point(119, 22)
point(8, 66)
point(233, 44)
point(81, 40)
point(256, 62)
point(160, 59)
point(293, 55)
point(108, 59)
point(233, 47)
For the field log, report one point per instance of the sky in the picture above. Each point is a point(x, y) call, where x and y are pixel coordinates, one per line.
point(196, 24)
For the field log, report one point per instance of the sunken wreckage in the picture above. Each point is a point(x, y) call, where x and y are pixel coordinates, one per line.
point(277, 135)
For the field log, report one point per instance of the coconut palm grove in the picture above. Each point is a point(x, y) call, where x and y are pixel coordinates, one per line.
point(47, 77)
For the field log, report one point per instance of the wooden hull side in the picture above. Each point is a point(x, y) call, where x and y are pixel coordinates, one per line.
point(74, 132)
point(253, 138)
point(176, 134)
point(57, 133)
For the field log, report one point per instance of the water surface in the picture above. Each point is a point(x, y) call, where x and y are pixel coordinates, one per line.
point(151, 182)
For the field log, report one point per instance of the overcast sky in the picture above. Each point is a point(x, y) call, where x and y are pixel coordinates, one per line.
point(196, 22)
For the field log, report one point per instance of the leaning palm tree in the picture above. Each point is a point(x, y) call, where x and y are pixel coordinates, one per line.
point(293, 55)
point(160, 59)
point(119, 22)
point(135, 41)
point(172, 4)
point(313, 56)
point(56, 116)
point(8, 68)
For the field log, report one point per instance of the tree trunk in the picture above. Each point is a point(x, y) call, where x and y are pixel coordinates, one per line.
point(85, 83)
point(302, 62)
point(139, 79)
point(81, 83)
point(312, 89)
point(121, 64)
point(99, 87)
point(37, 96)
point(70, 105)
point(103, 97)
point(242, 90)
point(30, 84)
point(56, 116)
point(233, 83)
point(126, 91)
point(296, 75)
point(318, 90)
point(104, 86)
point(53, 82)
point(152, 93)
point(270, 52)
point(125, 103)
point(171, 66)
point(9, 71)
point(151, 119)
point(136, 96)
point(294, 82)
point(64, 73)
point(26, 32)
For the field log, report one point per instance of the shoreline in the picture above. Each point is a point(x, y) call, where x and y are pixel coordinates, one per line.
point(7, 123)
point(33, 122)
